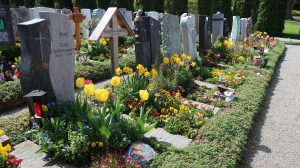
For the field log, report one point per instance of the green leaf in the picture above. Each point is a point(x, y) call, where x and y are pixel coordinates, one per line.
point(104, 131)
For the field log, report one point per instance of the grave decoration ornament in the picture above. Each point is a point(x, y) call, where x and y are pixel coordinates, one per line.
point(113, 26)
point(77, 18)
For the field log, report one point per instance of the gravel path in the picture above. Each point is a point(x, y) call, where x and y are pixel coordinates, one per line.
point(275, 140)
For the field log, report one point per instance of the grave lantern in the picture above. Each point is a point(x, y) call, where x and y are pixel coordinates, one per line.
point(36, 101)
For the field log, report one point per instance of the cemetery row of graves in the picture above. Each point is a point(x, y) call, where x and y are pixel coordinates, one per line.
point(182, 93)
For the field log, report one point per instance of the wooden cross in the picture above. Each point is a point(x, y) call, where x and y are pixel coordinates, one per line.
point(77, 18)
point(117, 27)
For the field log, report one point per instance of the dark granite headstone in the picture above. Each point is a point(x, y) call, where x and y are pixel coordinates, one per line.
point(62, 59)
point(18, 15)
point(152, 27)
point(35, 41)
point(6, 27)
point(203, 34)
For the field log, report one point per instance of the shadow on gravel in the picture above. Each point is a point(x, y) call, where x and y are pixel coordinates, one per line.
point(253, 143)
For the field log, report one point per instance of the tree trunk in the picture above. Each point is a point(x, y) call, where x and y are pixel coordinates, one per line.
point(290, 6)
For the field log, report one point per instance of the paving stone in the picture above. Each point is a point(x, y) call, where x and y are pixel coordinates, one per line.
point(33, 159)
point(164, 137)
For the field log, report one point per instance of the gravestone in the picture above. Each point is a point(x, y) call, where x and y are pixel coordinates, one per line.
point(98, 13)
point(235, 29)
point(189, 35)
point(18, 15)
point(225, 28)
point(35, 41)
point(153, 14)
point(209, 32)
point(66, 11)
point(112, 25)
point(48, 56)
point(249, 26)
point(170, 30)
point(203, 35)
point(34, 12)
point(62, 58)
point(127, 16)
point(217, 25)
point(88, 16)
point(197, 23)
point(243, 29)
point(6, 27)
point(153, 27)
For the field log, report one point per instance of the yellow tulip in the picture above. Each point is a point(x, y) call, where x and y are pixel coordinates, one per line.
point(7, 148)
point(166, 60)
point(118, 71)
point(181, 63)
point(89, 89)
point(2, 132)
point(146, 74)
point(115, 81)
point(193, 64)
point(154, 72)
point(80, 82)
point(101, 95)
point(144, 95)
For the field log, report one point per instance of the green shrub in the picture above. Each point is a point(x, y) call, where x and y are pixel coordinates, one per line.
point(10, 91)
point(98, 71)
point(204, 7)
point(224, 137)
point(128, 4)
point(104, 4)
point(151, 5)
point(177, 7)
point(243, 8)
point(90, 4)
point(9, 53)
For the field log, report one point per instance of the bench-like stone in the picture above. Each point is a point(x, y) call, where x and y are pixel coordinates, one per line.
point(164, 137)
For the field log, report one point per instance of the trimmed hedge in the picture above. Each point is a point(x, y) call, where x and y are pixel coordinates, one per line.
point(224, 138)
point(10, 91)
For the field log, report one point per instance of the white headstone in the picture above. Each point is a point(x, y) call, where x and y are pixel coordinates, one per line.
point(98, 13)
point(87, 13)
point(153, 14)
point(34, 12)
point(189, 35)
point(127, 16)
point(235, 29)
point(170, 30)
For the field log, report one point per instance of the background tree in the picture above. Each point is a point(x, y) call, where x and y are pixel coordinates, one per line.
point(44, 3)
point(243, 8)
point(150, 5)
point(103, 4)
point(204, 7)
point(177, 7)
point(63, 4)
point(90, 4)
point(128, 4)
point(290, 6)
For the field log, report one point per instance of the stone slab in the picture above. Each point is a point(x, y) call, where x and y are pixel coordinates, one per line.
point(205, 84)
point(32, 159)
point(201, 105)
point(164, 137)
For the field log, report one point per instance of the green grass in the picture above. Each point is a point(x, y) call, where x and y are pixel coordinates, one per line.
point(292, 29)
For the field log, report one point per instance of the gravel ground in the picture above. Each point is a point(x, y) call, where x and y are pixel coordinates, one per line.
point(275, 139)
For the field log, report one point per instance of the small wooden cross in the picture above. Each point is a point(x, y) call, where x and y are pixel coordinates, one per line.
point(77, 18)
point(117, 27)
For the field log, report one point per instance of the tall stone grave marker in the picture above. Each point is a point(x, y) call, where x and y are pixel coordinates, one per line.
point(189, 35)
point(235, 32)
point(203, 35)
point(243, 29)
point(34, 12)
point(62, 58)
point(112, 25)
point(98, 13)
point(249, 26)
point(217, 25)
point(153, 14)
point(127, 16)
point(6, 27)
point(35, 53)
point(88, 16)
point(170, 28)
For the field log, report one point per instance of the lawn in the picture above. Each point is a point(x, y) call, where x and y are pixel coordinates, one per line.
point(292, 29)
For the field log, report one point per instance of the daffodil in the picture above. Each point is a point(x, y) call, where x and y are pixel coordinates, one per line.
point(118, 71)
point(166, 60)
point(80, 82)
point(144, 95)
point(147, 74)
point(154, 72)
point(101, 94)
point(89, 89)
point(115, 81)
